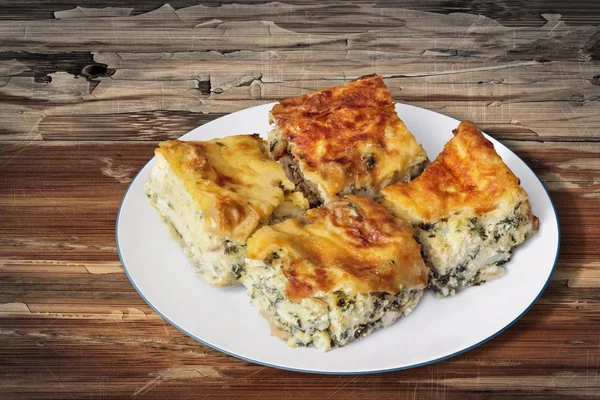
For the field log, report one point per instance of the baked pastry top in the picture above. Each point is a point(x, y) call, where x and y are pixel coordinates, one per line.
point(468, 178)
point(336, 274)
point(233, 181)
point(346, 139)
point(353, 245)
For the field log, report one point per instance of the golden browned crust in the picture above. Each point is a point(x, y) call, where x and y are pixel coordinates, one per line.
point(354, 245)
point(348, 135)
point(467, 177)
point(232, 179)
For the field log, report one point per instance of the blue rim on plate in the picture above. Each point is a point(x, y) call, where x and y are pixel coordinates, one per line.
point(333, 372)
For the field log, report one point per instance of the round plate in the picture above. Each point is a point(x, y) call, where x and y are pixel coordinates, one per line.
point(437, 329)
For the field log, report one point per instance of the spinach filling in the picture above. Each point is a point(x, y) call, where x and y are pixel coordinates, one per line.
point(497, 238)
point(382, 304)
point(383, 309)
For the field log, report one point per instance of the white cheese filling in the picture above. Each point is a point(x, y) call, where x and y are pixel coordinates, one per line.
point(218, 260)
point(328, 321)
point(463, 251)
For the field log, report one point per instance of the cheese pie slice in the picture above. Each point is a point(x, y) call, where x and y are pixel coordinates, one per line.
point(468, 209)
point(214, 194)
point(335, 274)
point(342, 140)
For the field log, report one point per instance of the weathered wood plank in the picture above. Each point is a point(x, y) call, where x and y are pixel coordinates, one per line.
point(552, 360)
point(215, 60)
point(507, 13)
point(49, 210)
point(261, 25)
point(527, 100)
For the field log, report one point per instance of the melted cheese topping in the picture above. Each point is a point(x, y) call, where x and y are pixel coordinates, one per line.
point(233, 181)
point(217, 260)
point(348, 135)
point(354, 245)
point(468, 178)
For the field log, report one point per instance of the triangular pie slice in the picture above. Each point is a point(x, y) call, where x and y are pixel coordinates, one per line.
point(214, 194)
point(468, 209)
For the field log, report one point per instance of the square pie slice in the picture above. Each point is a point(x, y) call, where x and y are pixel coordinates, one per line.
point(468, 209)
point(214, 194)
point(346, 139)
point(335, 274)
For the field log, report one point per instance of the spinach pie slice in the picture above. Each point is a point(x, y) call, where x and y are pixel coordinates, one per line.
point(214, 194)
point(468, 209)
point(345, 139)
point(335, 274)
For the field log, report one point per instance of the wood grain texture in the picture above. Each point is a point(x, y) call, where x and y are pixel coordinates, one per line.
point(86, 93)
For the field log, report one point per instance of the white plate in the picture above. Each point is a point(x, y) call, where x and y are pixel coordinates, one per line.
point(437, 329)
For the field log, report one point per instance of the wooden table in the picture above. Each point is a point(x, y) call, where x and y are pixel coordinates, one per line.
point(86, 94)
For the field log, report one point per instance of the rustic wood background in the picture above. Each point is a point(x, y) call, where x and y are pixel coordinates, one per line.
point(88, 88)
